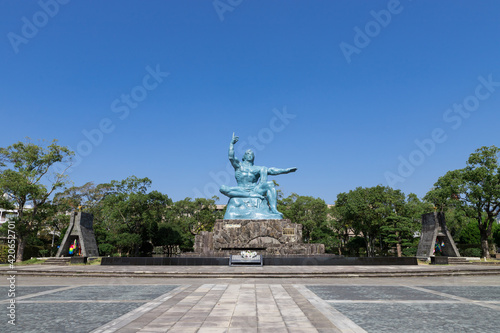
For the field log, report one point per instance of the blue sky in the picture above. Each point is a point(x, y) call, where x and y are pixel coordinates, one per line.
point(353, 93)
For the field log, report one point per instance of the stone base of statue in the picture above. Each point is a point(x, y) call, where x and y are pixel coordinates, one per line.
point(266, 237)
point(250, 209)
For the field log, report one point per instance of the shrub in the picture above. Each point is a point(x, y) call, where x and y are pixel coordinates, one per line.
point(106, 249)
point(472, 252)
point(496, 234)
point(470, 234)
point(410, 251)
point(355, 245)
point(4, 248)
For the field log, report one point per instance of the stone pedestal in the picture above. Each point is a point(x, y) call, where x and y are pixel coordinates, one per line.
point(272, 237)
point(204, 243)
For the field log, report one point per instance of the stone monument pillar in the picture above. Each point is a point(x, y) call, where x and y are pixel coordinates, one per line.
point(434, 230)
point(80, 230)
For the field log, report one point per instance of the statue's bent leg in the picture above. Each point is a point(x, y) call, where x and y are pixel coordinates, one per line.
point(272, 196)
point(238, 192)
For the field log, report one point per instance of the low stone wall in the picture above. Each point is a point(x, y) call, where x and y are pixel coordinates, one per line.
point(317, 260)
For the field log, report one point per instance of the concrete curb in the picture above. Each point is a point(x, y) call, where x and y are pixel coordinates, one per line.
point(305, 272)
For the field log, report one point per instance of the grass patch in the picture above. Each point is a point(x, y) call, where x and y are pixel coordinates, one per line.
point(95, 261)
point(32, 261)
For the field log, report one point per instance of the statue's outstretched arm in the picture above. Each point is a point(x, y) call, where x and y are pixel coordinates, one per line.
point(277, 171)
point(233, 159)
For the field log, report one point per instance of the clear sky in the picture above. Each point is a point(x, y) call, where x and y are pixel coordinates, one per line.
point(352, 93)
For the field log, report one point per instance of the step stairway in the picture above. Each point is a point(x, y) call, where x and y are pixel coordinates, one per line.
point(458, 261)
point(59, 261)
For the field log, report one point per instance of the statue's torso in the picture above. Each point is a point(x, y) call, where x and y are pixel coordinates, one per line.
point(247, 176)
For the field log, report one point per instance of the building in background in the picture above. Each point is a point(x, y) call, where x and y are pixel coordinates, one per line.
point(6, 214)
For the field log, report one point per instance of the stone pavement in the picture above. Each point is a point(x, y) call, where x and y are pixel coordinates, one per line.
point(454, 303)
point(230, 308)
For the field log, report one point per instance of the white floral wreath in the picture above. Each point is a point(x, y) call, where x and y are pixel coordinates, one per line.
point(248, 254)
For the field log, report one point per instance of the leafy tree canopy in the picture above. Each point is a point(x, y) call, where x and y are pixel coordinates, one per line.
point(27, 180)
point(474, 189)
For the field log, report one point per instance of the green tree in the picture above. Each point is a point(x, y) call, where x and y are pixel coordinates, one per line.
point(470, 234)
point(398, 231)
point(312, 213)
point(444, 199)
point(475, 189)
point(28, 179)
point(457, 220)
point(403, 221)
point(190, 216)
point(364, 210)
point(380, 214)
point(130, 215)
point(496, 235)
point(86, 197)
point(341, 228)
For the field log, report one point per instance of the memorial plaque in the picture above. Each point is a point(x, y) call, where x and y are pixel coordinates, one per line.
point(289, 231)
point(229, 226)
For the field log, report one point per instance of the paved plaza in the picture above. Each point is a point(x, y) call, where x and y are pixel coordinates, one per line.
point(135, 303)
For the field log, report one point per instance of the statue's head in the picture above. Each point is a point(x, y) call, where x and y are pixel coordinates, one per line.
point(249, 156)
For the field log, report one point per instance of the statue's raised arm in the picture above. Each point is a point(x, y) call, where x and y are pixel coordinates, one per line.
point(233, 159)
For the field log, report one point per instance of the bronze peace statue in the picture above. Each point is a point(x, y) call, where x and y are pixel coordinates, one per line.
point(255, 196)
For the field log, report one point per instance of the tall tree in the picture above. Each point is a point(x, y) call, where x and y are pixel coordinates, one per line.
point(340, 226)
point(27, 179)
point(444, 199)
point(404, 220)
point(380, 214)
point(131, 215)
point(312, 213)
point(190, 216)
point(86, 197)
point(364, 210)
point(475, 189)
